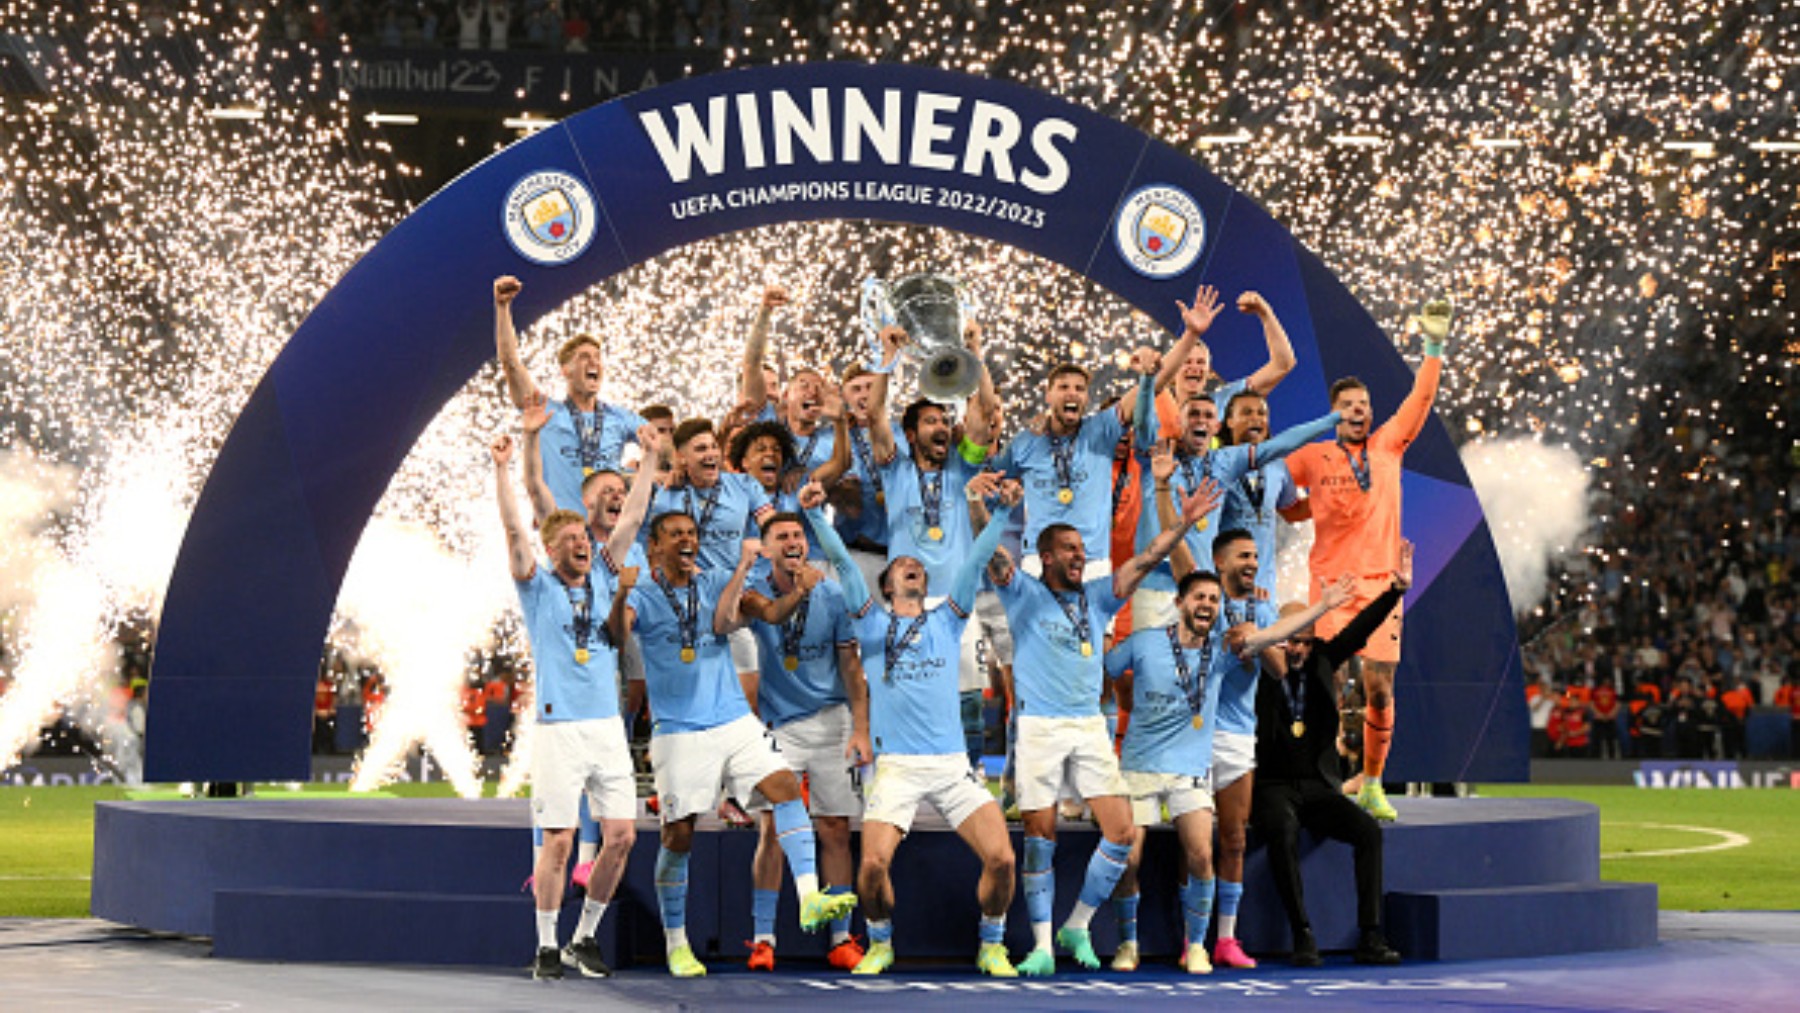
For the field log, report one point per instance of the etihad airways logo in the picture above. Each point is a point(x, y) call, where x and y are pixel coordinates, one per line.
point(923, 130)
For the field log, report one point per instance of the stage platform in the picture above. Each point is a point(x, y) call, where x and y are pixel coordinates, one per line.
point(439, 881)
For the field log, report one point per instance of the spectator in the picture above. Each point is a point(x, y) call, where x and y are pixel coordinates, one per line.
point(1603, 708)
point(468, 17)
point(499, 20)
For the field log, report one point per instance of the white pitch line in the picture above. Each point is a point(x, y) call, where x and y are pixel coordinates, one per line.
point(1726, 841)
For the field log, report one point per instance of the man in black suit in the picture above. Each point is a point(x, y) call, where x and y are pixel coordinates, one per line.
point(1298, 781)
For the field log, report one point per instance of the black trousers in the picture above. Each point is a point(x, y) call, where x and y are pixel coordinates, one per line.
point(1280, 809)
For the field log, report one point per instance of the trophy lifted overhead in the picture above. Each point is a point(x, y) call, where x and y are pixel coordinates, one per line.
point(932, 310)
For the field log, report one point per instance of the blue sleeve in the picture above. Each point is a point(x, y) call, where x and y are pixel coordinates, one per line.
point(1287, 495)
point(841, 630)
point(968, 575)
point(1119, 659)
point(1108, 427)
point(1293, 438)
point(1100, 592)
point(856, 592)
point(1006, 462)
point(1143, 416)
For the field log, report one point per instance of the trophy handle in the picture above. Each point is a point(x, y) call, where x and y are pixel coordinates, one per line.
point(876, 312)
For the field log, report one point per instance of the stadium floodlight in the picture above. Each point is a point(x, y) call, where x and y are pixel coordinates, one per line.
point(528, 123)
point(392, 119)
point(1699, 149)
point(1241, 136)
point(235, 113)
point(1775, 145)
point(1497, 142)
point(1358, 140)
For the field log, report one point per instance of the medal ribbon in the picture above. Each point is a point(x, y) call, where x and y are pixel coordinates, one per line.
point(587, 436)
point(1254, 489)
point(865, 458)
point(1078, 616)
point(896, 647)
point(795, 628)
point(1296, 680)
point(581, 606)
point(1062, 456)
point(931, 496)
point(1194, 689)
point(688, 619)
point(707, 506)
point(803, 458)
point(1360, 471)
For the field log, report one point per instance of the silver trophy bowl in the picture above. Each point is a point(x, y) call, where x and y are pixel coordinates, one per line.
point(932, 310)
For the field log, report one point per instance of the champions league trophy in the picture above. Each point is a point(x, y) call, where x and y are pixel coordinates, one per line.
point(932, 310)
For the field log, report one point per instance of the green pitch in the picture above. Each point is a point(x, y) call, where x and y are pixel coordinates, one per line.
point(47, 843)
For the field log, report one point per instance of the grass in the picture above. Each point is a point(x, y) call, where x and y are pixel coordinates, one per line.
point(47, 843)
point(1763, 875)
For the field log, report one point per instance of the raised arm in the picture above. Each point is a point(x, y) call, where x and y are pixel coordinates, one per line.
point(856, 591)
point(1291, 439)
point(1281, 350)
point(728, 616)
point(1333, 596)
point(518, 540)
point(1162, 468)
point(506, 342)
point(1193, 507)
point(533, 416)
point(978, 420)
point(968, 572)
point(637, 498)
point(1196, 320)
point(838, 464)
point(752, 387)
point(618, 618)
point(1434, 321)
point(881, 428)
point(1144, 423)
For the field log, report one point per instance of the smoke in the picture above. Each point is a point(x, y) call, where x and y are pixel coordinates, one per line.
point(418, 610)
point(1535, 497)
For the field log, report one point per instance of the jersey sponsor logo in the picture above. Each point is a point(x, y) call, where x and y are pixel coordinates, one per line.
point(549, 217)
point(1160, 231)
point(924, 130)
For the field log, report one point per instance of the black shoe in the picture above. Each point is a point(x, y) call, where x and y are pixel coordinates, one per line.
point(1306, 950)
point(548, 966)
point(1374, 949)
point(584, 955)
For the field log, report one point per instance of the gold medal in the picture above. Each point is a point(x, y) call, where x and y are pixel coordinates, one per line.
point(1087, 649)
point(1201, 524)
point(581, 655)
point(790, 663)
point(881, 497)
point(586, 471)
point(1198, 722)
point(687, 655)
point(935, 534)
point(1065, 496)
point(1298, 728)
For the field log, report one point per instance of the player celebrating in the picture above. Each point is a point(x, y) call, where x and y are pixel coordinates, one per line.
point(1067, 468)
point(584, 434)
point(1197, 461)
point(918, 743)
point(704, 733)
point(813, 697)
point(1353, 487)
point(1057, 623)
point(1254, 501)
point(580, 747)
point(1174, 681)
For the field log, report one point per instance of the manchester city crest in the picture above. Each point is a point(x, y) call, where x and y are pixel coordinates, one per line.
point(1160, 231)
point(549, 217)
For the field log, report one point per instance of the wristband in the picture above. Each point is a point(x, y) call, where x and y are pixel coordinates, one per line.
point(1434, 349)
point(972, 452)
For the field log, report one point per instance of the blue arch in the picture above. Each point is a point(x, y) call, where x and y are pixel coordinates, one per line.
point(325, 430)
